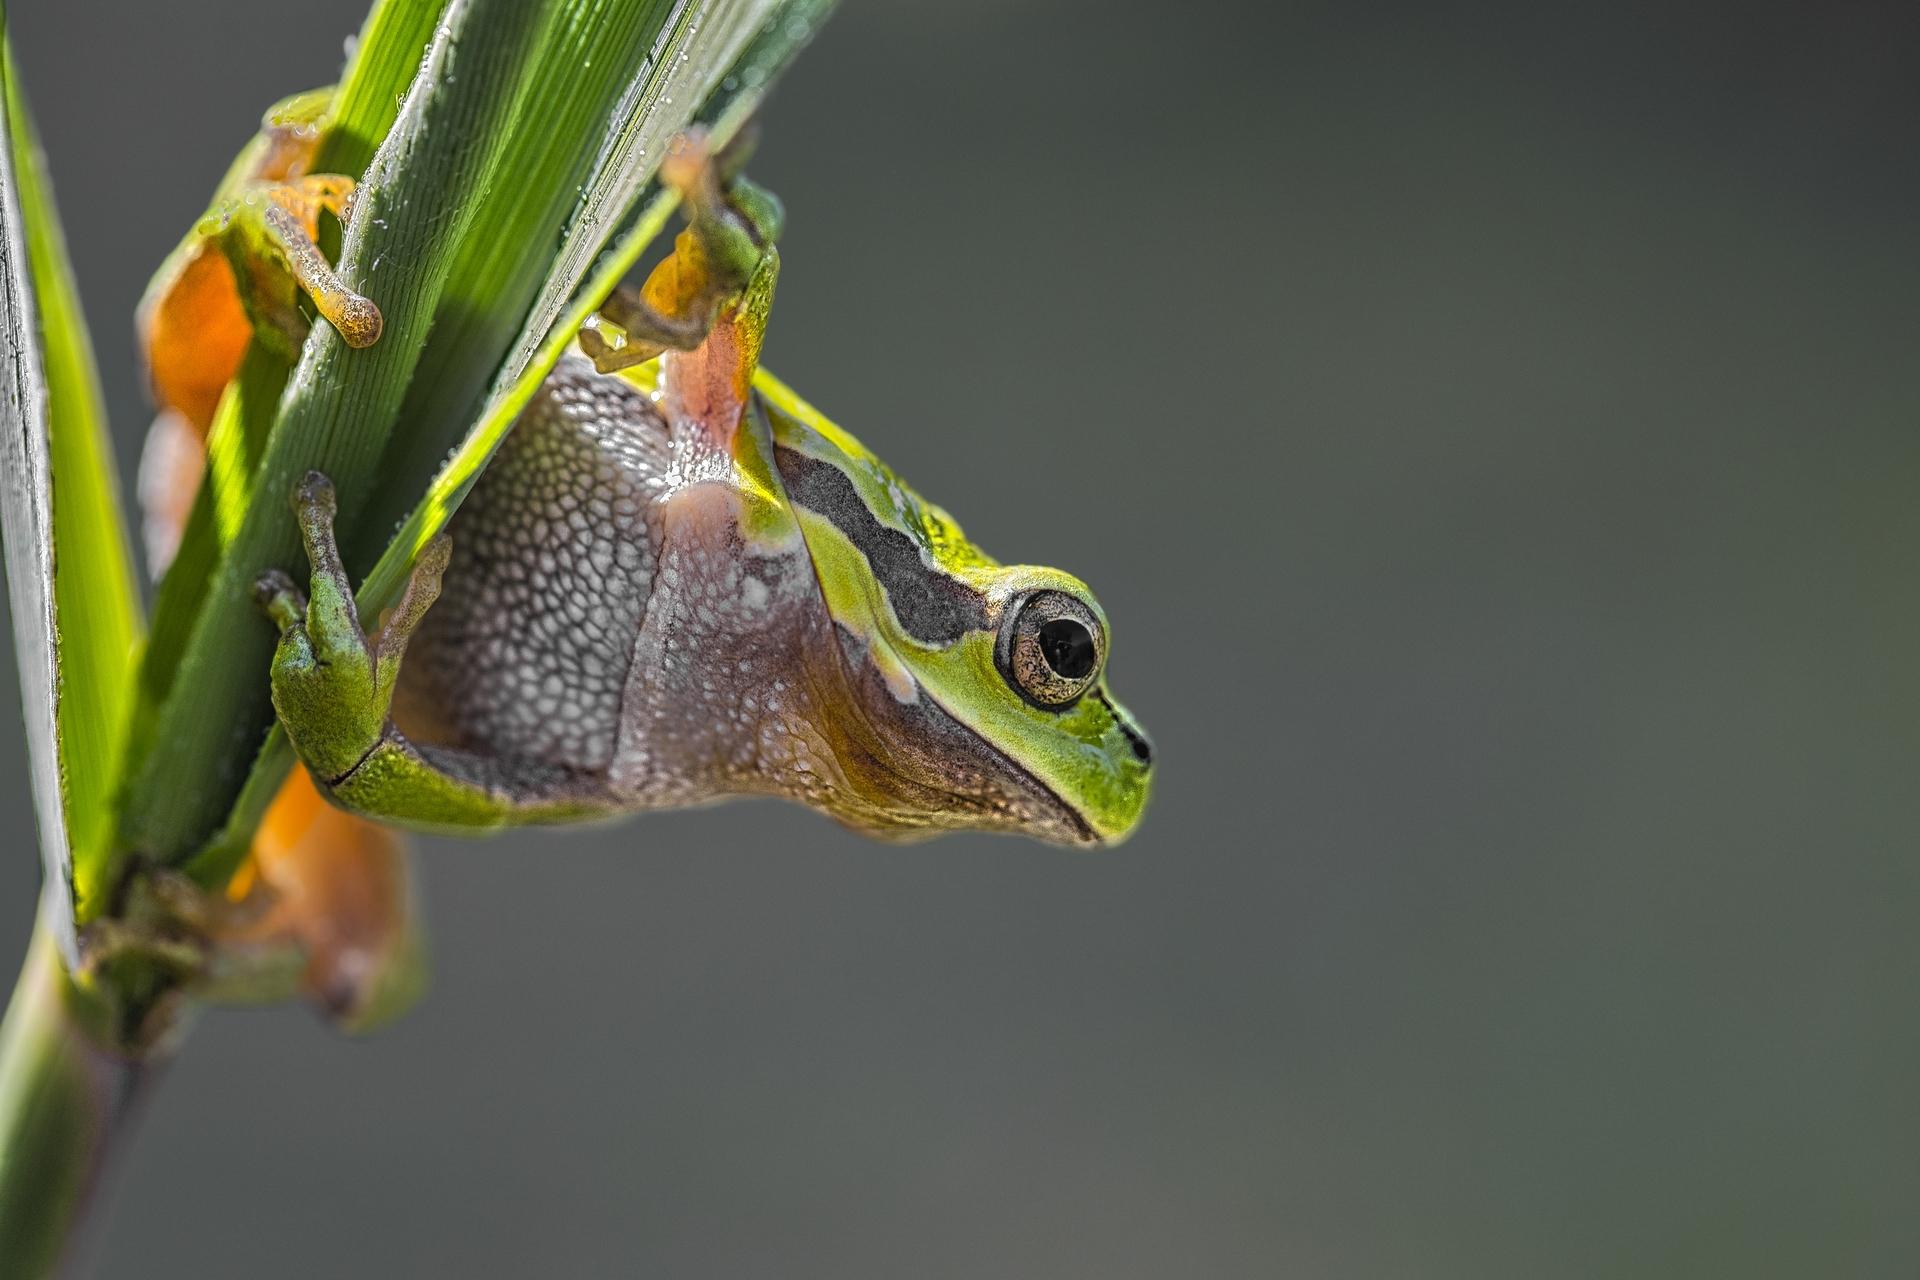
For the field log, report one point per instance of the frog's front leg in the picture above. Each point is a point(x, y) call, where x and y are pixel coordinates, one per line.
point(724, 256)
point(333, 689)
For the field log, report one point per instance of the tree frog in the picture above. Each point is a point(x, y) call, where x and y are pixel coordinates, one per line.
point(678, 581)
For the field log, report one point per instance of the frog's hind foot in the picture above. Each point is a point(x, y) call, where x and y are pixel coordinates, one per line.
point(728, 241)
point(293, 219)
point(332, 685)
point(270, 235)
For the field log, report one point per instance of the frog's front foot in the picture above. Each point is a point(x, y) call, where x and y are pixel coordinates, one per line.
point(731, 228)
point(332, 684)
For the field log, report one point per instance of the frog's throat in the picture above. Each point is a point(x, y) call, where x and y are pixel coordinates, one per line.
point(910, 767)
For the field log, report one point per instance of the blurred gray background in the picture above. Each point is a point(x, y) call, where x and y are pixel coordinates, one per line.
point(1496, 436)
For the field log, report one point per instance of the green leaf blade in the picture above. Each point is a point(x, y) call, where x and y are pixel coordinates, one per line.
point(386, 56)
point(69, 567)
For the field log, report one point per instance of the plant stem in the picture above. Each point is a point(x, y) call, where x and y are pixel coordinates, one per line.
point(66, 1105)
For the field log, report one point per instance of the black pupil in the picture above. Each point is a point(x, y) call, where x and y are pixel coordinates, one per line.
point(1068, 648)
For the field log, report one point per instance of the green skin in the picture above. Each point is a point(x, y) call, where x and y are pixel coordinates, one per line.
point(782, 615)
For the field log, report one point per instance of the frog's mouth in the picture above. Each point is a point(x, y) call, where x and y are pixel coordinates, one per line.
point(905, 758)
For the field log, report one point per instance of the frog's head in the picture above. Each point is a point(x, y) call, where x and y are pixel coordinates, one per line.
point(977, 694)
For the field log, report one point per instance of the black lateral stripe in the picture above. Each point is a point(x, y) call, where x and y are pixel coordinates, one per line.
point(933, 608)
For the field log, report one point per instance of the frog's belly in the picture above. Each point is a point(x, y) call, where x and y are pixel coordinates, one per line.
point(527, 650)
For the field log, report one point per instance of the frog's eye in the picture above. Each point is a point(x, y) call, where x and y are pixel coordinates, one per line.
point(1050, 648)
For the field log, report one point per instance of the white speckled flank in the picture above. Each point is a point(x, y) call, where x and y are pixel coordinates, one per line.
point(527, 650)
point(602, 615)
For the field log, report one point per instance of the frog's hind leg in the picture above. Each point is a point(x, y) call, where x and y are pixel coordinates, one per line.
point(293, 219)
point(333, 690)
point(725, 252)
point(332, 685)
point(269, 234)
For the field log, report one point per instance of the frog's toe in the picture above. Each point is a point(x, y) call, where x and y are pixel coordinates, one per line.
point(331, 613)
point(314, 497)
point(290, 222)
point(279, 597)
point(422, 589)
point(358, 320)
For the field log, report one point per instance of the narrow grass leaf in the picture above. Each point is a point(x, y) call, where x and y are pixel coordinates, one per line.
point(385, 58)
point(76, 614)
